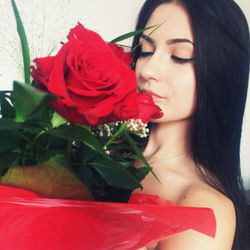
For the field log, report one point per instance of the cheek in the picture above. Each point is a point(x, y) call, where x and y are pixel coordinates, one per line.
point(187, 96)
point(181, 82)
point(182, 92)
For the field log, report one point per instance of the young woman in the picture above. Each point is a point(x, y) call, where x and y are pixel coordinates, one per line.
point(196, 65)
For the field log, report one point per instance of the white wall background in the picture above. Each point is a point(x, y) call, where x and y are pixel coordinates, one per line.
point(47, 23)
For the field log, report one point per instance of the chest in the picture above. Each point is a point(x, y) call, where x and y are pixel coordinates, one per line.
point(172, 186)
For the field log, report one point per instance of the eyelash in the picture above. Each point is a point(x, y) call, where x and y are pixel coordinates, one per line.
point(175, 58)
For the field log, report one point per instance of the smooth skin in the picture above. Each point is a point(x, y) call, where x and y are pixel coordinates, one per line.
point(165, 70)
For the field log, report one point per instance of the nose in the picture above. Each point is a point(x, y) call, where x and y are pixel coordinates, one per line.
point(154, 67)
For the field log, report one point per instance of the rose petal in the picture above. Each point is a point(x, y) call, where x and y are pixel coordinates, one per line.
point(121, 54)
point(43, 68)
point(147, 109)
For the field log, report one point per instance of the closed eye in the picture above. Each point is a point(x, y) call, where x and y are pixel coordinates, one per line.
point(145, 54)
point(182, 60)
point(175, 58)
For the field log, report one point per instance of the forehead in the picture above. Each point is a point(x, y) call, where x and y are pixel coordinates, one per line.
point(174, 20)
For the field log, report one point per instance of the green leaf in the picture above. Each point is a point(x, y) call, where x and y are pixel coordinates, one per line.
point(83, 152)
point(7, 160)
point(9, 124)
point(48, 155)
point(24, 43)
point(84, 173)
point(7, 110)
point(139, 43)
point(42, 116)
point(139, 154)
point(140, 173)
point(61, 160)
point(57, 120)
point(130, 34)
point(28, 100)
point(122, 127)
point(114, 174)
point(77, 133)
point(53, 142)
point(9, 141)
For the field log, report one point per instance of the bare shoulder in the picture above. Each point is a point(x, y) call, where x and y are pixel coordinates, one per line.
point(199, 195)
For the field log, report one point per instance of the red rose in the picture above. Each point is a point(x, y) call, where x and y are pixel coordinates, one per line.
point(93, 85)
point(147, 109)
point(121, 54)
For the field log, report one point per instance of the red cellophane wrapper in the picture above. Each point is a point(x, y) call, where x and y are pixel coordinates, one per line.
point(29, 222)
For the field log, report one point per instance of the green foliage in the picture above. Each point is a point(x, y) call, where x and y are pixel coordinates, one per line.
point(24, 43)
point(28, 100)
point(11, 141)
point(57, 120)
point(114, 174)
point(138, 152)
point(72, 132)
point(7, 110)
point(130, 34)
point(7, 160)
point(32, 133)
point(9, 124)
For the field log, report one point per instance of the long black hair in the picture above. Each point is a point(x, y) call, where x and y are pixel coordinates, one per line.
point(221, 38)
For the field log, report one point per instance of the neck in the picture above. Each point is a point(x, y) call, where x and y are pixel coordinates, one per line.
point(168, 139)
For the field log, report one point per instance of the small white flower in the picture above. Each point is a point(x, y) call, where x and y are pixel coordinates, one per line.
point(137, 127)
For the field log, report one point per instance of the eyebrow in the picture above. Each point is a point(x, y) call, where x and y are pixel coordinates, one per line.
point(169, 42)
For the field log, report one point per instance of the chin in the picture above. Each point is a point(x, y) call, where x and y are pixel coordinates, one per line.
point(169, 120)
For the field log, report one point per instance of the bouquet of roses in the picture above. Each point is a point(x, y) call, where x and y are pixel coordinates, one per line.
point(69, 134)
point(80, 103)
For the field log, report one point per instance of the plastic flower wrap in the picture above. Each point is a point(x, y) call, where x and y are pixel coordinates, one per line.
point(54, 224)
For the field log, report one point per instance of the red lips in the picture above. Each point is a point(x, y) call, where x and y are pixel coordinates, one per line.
point(150, 92)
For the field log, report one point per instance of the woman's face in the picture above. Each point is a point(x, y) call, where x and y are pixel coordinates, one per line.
point(165, 67)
